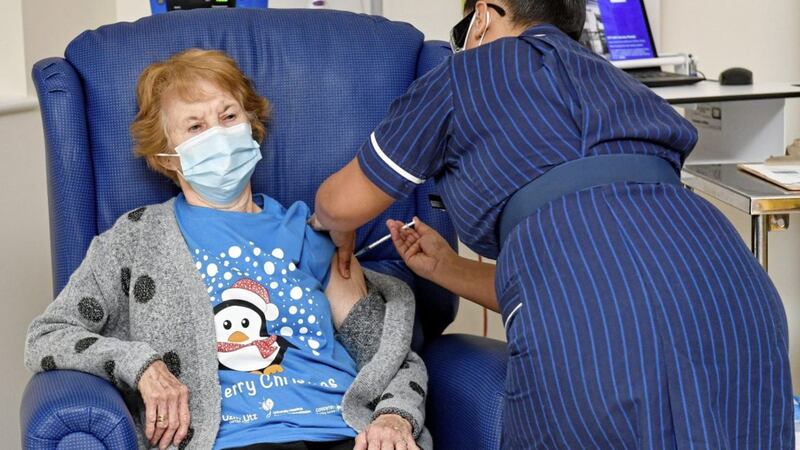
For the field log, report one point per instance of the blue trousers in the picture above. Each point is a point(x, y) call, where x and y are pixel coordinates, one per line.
point(640, 321)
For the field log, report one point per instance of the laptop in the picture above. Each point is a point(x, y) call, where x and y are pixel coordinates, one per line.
point(618, 30)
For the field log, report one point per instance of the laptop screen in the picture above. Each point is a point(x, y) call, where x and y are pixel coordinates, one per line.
point(618, 30)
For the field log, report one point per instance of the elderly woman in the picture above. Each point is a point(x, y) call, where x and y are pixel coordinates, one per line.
point(217, 313)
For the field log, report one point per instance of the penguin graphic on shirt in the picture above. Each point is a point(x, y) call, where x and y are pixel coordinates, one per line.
point(240, 319)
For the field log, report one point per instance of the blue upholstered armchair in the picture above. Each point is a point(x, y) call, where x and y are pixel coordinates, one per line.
point(330, 77)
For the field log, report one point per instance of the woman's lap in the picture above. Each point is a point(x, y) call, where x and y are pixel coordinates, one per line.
point(346, 444)
point(646, 324)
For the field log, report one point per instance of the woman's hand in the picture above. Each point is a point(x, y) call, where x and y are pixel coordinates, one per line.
point(387, 432)
point(166, 402)
point(423, 249)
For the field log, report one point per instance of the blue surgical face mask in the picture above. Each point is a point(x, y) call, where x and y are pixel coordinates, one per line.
point(218, 162)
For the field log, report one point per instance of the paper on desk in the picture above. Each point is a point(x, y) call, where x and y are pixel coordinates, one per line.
point(786, 176)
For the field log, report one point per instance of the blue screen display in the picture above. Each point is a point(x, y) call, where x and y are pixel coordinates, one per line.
point(617, 29)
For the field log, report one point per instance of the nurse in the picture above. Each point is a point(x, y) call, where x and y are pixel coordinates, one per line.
point(635, 316)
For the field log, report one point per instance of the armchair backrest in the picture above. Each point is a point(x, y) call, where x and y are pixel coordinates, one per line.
point(329, 76)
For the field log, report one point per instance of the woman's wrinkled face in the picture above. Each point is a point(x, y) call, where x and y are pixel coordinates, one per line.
point(211, 107)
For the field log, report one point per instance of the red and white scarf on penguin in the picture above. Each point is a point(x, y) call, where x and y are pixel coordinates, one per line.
point(265, 346)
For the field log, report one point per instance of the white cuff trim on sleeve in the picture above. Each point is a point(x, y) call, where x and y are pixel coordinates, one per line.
point(402, 172)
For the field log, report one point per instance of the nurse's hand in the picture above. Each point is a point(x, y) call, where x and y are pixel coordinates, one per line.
point(422, 248)
point(387, 432)
point(429, 255)
point(345, 242)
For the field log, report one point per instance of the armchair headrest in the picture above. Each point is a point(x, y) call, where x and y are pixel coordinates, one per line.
point(330, 77)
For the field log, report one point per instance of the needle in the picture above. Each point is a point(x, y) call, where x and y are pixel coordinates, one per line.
point(382, 240)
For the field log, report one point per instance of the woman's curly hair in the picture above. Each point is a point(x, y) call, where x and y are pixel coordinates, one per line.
point(179, 75)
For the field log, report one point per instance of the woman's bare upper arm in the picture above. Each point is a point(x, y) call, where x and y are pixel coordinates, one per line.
point(343, 294)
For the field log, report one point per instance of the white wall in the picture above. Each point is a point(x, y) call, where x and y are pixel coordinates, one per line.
point(356, 6)
point(131, 10)
point(433, 18)
point(12, 50)
point(49, 25)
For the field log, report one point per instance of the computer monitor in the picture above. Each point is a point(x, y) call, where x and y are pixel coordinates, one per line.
point(162, 6)
point(618, 30)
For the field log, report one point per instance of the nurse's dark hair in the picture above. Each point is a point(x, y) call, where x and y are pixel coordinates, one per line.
point(568, 15)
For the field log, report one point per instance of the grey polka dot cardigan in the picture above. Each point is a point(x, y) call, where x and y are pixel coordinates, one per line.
point(137, 297)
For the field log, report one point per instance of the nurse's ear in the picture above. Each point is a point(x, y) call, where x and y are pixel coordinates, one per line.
point(480, 25)
point(491, 22)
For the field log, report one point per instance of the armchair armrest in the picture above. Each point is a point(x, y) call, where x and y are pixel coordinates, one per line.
point(466, 391)
point(69, 409)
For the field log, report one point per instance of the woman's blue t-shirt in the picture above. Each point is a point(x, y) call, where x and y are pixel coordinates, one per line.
point(282, 373)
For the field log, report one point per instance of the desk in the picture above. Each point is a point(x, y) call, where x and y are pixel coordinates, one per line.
point(752, 125)
point(711, 91)
point(748, 194)
point(752, 128)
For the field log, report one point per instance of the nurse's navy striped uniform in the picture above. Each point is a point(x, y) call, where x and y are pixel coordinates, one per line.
point(635, 315)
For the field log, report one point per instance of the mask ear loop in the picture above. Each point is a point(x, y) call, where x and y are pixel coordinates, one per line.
point(469, 30)
point(173, 155)
point(486, 28)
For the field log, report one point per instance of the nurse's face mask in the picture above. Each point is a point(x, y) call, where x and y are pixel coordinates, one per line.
point(460, 33)
point(218, 162)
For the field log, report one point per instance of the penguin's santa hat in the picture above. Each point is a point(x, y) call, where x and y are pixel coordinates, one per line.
point(254, 293)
